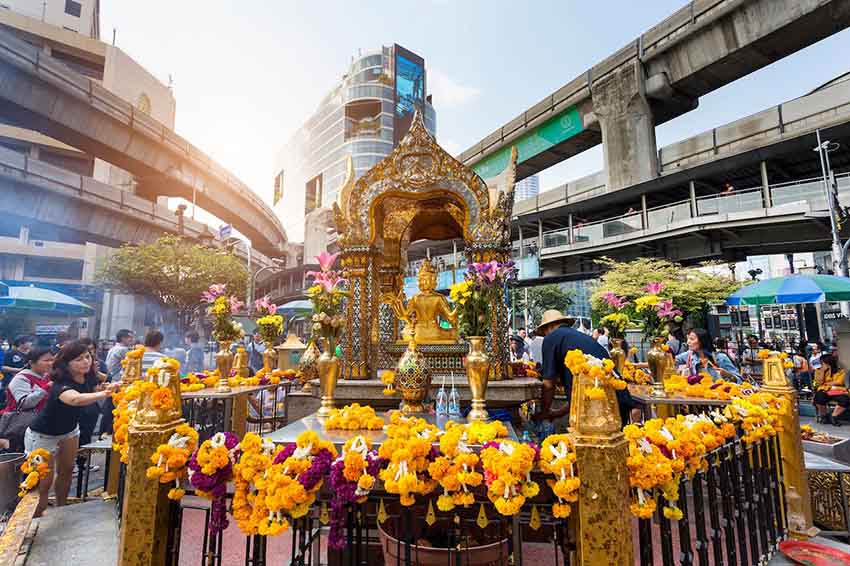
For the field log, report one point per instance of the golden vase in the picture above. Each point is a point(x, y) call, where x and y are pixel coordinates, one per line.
point(413, 380)
point(477, 374)
point(269, 358)
point(327, 365)
point(307, 366)
point(224, 363)
point(657, 359)
point(618, 355)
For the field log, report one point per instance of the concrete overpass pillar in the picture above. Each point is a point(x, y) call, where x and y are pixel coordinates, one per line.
point(693, 188)
point(765, 185)
point(628, 128)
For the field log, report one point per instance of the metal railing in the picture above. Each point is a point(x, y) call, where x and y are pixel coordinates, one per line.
point(807, 192)
point(732, 511)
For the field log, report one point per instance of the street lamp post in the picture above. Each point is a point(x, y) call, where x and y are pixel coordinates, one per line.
point(276, 265)
point(839, 265)
point(754, 273)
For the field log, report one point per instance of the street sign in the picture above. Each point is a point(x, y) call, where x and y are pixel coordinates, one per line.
point(224, 231)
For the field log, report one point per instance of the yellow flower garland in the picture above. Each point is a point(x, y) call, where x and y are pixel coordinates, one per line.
point(601, 371)
point(455, 469)
point(507, 470)
point(35, 468)
point(558, 457)
point(354, 417)
point(249, 501)
point(169, 460)
point(407, 447)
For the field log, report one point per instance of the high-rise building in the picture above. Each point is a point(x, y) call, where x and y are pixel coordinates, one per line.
point(364, 117)
point(527, 188)
point(78, 16)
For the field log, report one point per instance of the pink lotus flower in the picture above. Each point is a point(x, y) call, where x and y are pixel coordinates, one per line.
point(327, 280)
point(235, 304)
point(654, 288)
point(614, 301)
point(326, 260)
point(665, 309)
point(215, 291)
point(264, 306)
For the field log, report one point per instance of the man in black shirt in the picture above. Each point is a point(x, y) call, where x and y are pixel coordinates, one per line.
point(559, 339)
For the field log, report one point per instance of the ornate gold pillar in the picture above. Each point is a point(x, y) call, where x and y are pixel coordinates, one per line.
point(386, 325)
point(794, 476)
point(358, 357)
point(604, 521)
point(145, 517)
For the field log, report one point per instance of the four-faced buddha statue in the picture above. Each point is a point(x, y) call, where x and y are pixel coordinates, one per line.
point(425, 311)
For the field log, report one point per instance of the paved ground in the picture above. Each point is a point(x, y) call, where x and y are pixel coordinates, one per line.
point(85, 534)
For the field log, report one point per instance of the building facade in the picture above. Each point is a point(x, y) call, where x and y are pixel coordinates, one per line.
point(48, 255)
point(363, 117)
point(527, 188)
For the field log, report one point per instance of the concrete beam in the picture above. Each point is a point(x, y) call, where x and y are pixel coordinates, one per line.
point(76, 110)
point(628, 128)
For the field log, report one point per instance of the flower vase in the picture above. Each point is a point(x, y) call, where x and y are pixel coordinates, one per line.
point(269, 358)
point(477, 374)
point(413, 380)
point(618, 355)
point(657, 359)
point(307, 366)
point(328, 368)
point(224, 362)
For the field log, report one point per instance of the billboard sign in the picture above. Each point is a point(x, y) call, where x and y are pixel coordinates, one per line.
point(408, 89)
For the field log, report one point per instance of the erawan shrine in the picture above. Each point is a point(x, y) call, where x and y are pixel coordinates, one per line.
point(419, 437)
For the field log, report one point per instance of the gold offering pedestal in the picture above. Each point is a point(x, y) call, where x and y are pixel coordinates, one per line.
point(505, 394)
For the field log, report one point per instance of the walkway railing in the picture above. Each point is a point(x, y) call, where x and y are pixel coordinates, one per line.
point(806, 192)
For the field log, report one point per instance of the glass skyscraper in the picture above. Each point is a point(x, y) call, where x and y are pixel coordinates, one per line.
point(364, 116)
point(527, 188)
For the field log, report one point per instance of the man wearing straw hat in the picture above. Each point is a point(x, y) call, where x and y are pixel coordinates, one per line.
point(560, 338)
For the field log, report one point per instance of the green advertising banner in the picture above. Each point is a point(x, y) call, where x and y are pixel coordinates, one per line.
point(553, 131)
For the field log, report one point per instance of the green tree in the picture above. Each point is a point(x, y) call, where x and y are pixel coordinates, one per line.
point(692, 290)
point(540, 299)
point(174, 272)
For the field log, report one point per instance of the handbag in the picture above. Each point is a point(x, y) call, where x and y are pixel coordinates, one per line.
point(13, 425)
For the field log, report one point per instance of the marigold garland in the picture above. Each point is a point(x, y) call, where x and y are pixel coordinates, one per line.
point(35, 468)
point(354, 417)
point(507, 472)
point(291, 483)
point(601, 371)
point(352, 478)
point(455, 469)
point(249, 501)
point(409, 450)
point(170, 459)
point(558, 457)
point(704, 386)
point(210, 469)
point(661, 450)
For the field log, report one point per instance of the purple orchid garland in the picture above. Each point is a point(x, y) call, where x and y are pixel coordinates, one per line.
point(343, 492)
point(215, 484)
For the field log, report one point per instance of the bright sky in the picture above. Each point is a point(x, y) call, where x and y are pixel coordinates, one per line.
point(247, 73)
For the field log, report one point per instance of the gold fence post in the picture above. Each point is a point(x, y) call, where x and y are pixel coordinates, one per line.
point(794, 475)
point(604, 521)
point(145, 517)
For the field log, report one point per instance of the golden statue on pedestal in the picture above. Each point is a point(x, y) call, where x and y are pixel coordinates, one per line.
point(427, 308)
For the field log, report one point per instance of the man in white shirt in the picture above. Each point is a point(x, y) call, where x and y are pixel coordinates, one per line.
point(602, 338)
point(153, 349)
point(123, 341)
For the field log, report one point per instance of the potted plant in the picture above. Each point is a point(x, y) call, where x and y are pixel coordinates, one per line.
point(225, 330)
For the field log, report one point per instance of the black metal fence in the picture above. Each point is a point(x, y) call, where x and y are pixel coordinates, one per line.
point(733, 511)
point(453, 537)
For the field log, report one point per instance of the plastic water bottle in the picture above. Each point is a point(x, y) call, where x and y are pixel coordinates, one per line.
point(442, 400)
point(454, 400)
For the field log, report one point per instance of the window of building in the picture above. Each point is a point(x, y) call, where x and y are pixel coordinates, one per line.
point(313, 194)
point(53, 268)
point(73, 8)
